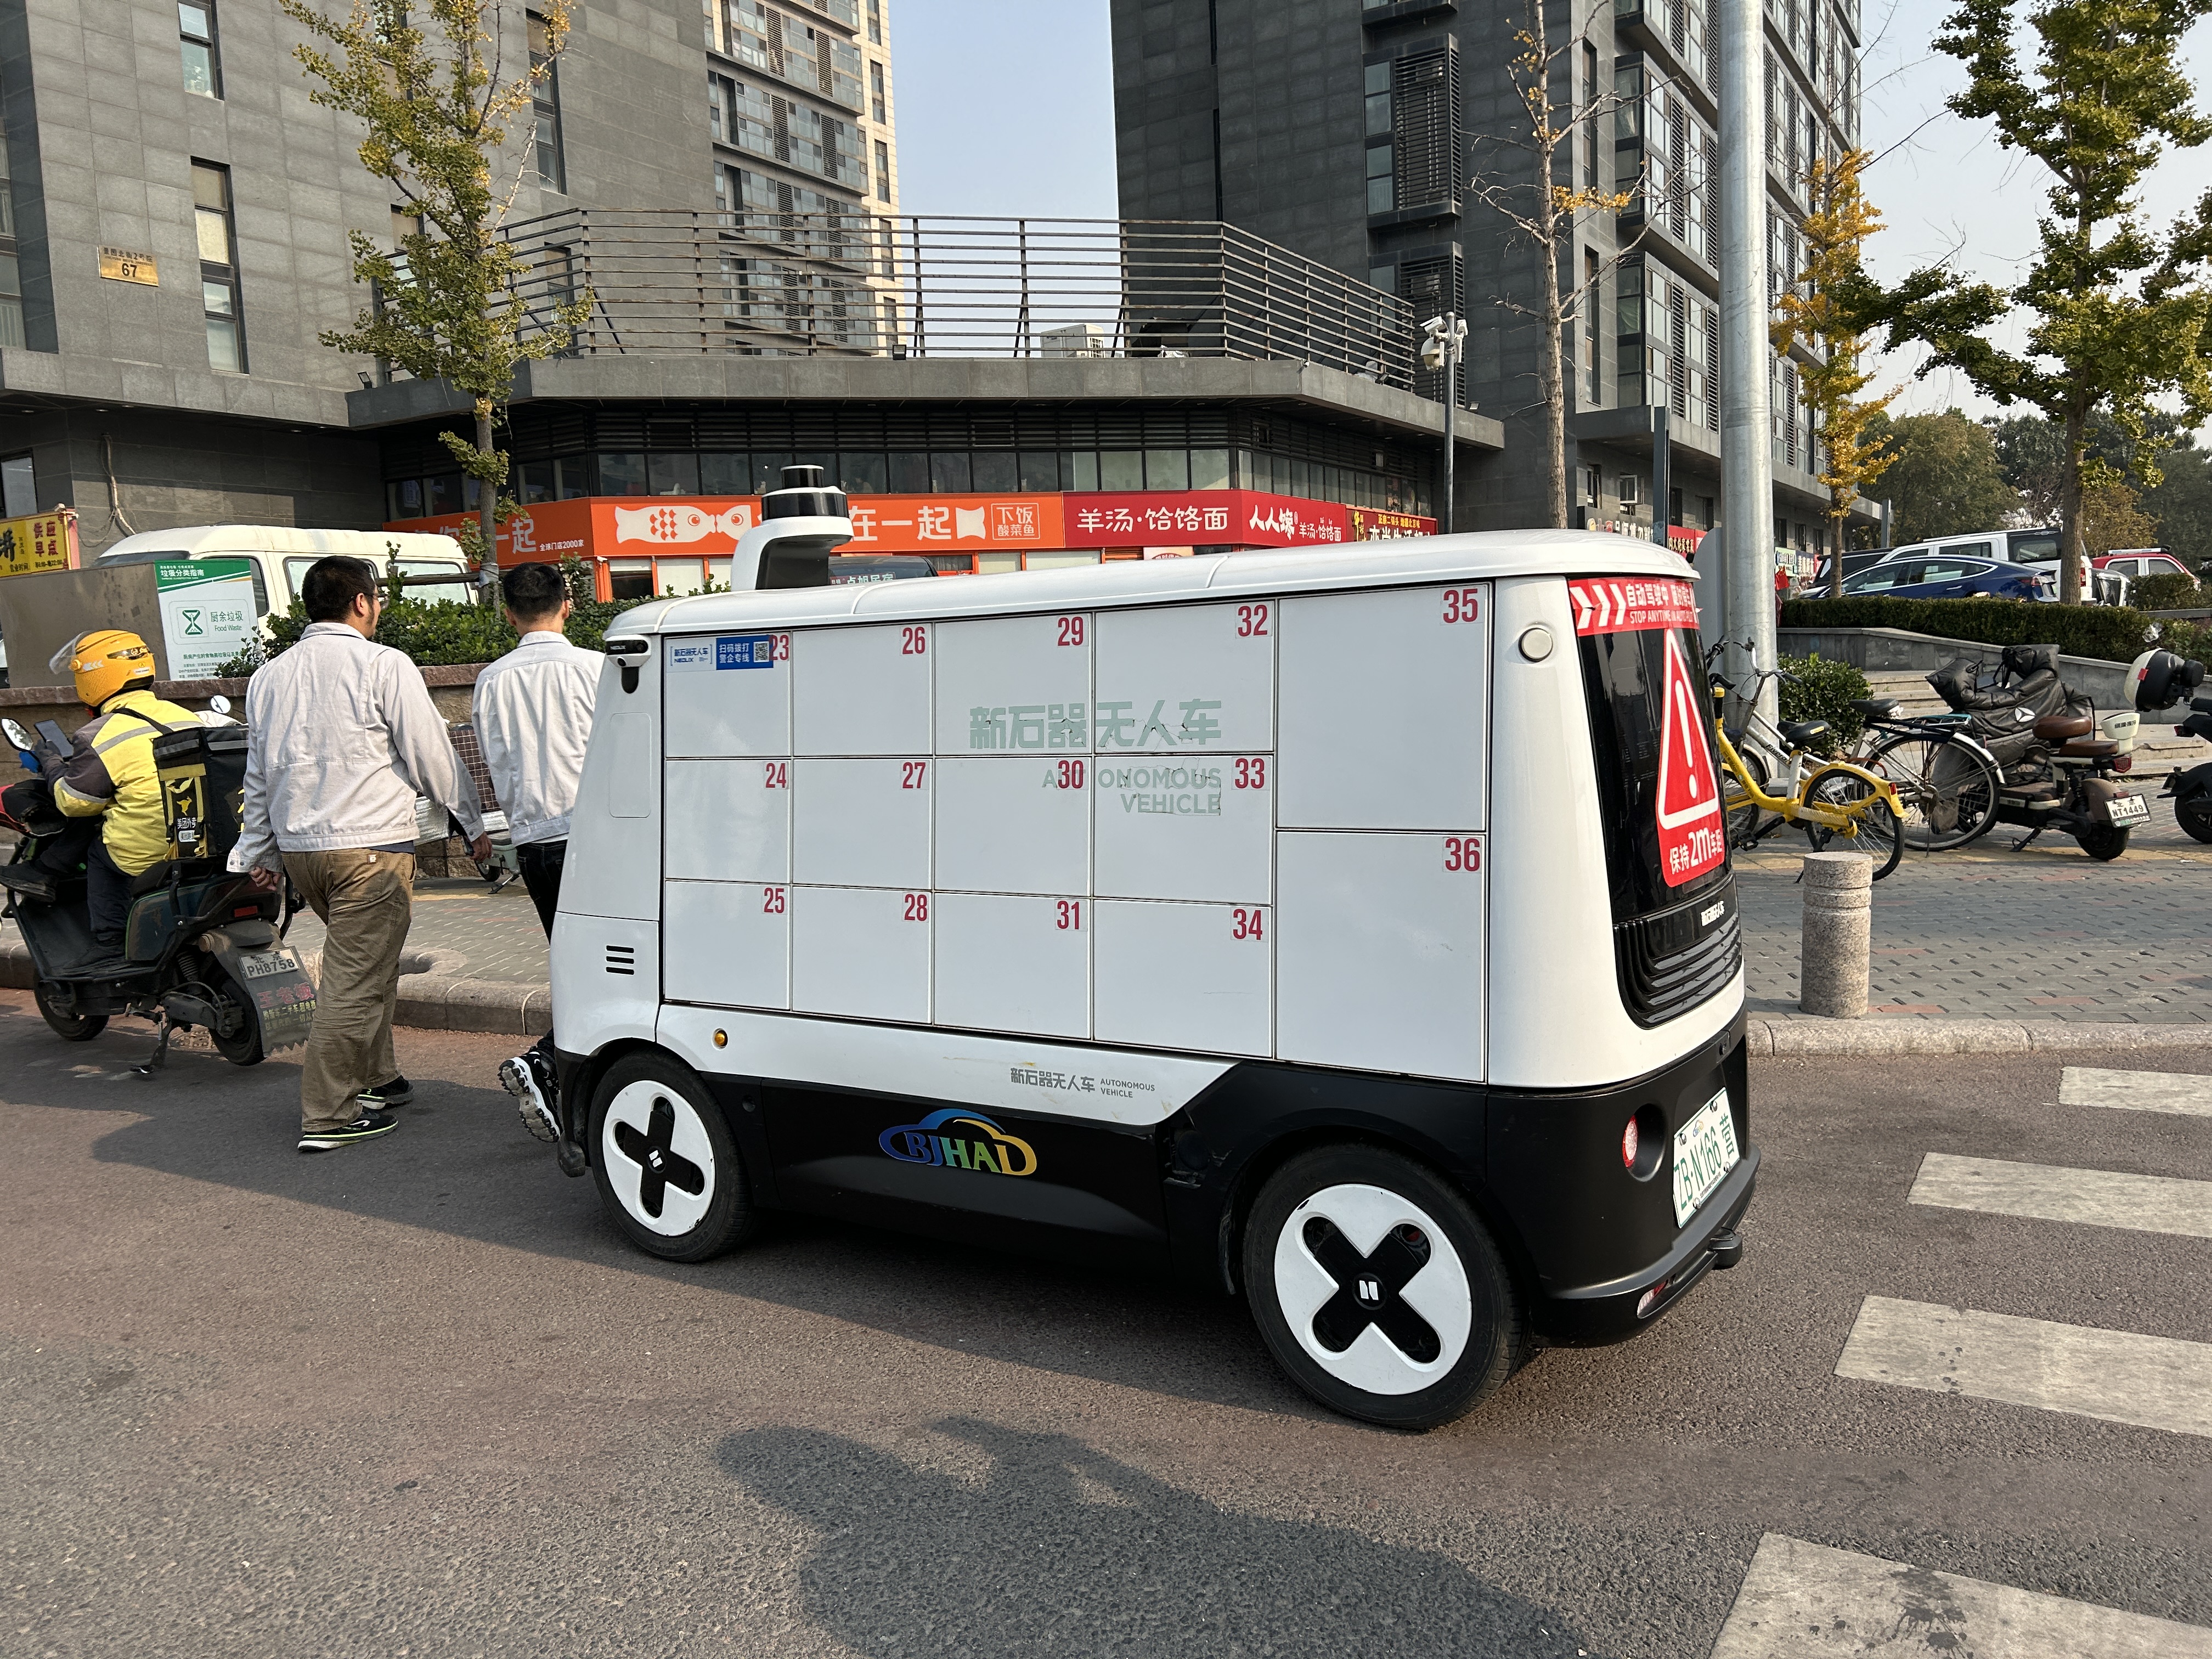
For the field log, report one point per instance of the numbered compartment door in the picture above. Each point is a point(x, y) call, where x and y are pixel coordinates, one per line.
point(860, 822)
point(727, 944)
point(1194, 976)
point(1014, 824)
point(1184, 826)
point(1013, 684)
point(1187, 679)
point(860, 690)
point(1379, 952)
point(861, 951)
point(1385, 710)
point(729, 820)
point(1009, 963)
point(728, 694)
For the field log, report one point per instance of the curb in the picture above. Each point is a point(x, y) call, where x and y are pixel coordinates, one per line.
point(428, 1001)
point(1781, 1039)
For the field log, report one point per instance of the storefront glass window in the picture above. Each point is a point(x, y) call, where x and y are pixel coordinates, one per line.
point(909, 472)
point(863, 473)
point(1080, 469)
point(948, 473)
point(1121, 469)
point(534, 483)
point(725, 475)
point(1040, 472)
point(1167, 469)
point(630, 578)
point(1209, 469)
point(995, 471)
point(622, 475)
point(672, 475)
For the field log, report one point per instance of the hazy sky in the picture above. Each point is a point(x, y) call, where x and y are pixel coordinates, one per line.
point(1006, 106)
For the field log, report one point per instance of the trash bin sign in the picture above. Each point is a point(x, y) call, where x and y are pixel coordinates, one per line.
point(207, 613)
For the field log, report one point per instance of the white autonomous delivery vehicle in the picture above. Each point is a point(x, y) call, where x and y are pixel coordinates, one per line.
point(1351, 927)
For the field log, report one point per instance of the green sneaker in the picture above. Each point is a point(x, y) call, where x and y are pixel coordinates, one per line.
point(367, 1126)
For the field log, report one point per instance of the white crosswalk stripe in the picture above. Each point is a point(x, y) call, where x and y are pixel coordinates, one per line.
point(2153, 1380)
point(2096, 1198)
point(2137, 1091)
point(1804, 1600)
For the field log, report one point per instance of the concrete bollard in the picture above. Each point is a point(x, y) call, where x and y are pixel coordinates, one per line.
point(1835, 945)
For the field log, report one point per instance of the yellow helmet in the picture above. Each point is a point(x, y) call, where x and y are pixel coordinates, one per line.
point(108, 660)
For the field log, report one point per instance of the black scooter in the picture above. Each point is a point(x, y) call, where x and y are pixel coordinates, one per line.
point(2160, 684)
point(200, 947)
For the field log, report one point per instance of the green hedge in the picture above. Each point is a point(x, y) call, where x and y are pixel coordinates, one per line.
point(2108, 633)
point(1824, 690)
point(2168, 593)
point(435, 633)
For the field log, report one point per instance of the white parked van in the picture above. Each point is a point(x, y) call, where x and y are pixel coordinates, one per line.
point(1351, 928)
point(281, 555)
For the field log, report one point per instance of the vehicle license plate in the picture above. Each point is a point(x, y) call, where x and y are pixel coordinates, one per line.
point(1704, 1152)
point(2127, 809)
point(260, 964)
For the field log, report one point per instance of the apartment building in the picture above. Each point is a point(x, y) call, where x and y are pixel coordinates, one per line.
point(175, 211)
point(1361, 136)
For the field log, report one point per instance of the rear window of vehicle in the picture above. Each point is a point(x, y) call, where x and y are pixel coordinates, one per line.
point(1651, 739)
point(2034, 546)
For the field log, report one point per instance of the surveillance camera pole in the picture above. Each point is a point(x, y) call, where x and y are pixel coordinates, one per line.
point(1442, 346)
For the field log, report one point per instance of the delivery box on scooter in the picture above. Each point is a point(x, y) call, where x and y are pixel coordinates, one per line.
point(203, 773)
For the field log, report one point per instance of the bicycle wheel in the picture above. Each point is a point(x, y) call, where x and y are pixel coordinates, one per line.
point(1744, 814)
point(1878, 834)
point(1949, 793)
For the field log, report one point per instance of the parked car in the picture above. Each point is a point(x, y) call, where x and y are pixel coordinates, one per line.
point(281, 555)
point(1945, 577)
point(2140, 561)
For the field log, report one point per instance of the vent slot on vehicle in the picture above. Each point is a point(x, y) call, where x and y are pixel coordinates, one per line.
point(1672, 961)
point(621, 959)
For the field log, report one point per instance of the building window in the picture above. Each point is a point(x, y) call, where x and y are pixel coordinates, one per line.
point(11, 279)
point(545, 104)
point(876, 23)
point(883, 171)
point(879, 103)
point(1589, 115)
point(1382, 194)
point(19, 494)
point(1592, 309)
point(218, 240)
point(196, 35)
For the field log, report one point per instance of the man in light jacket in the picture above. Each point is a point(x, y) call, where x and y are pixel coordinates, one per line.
point(341, 736)
point(533, 716)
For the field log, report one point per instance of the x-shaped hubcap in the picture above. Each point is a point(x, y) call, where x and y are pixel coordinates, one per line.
point(1367, 1290)
point(655, 1153)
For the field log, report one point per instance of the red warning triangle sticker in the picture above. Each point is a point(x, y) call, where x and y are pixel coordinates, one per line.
point(1692, 838)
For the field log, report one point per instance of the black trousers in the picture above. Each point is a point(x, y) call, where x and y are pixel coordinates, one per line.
point(107, 895)
point(542, 862)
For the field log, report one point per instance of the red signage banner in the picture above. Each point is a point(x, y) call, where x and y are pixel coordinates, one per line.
point(956, 524)
point(1692, 837)
point(1631, 604)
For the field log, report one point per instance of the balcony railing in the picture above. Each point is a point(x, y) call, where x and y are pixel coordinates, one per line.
point(766, 283)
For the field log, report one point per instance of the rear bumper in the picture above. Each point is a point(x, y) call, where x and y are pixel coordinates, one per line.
point(1591, 1316)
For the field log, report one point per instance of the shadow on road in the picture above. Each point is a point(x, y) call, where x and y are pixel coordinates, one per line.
point(460, 1165)
point(1060, 1548)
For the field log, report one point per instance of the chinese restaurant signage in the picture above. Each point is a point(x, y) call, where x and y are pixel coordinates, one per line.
point(45, 541)
point(614, 527)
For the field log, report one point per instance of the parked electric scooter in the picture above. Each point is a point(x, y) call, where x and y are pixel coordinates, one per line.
point(2058, 773)
point(2161, 680)
point(200, 947)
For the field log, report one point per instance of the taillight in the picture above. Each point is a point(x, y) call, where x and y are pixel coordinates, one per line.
point(2123, 763)
point(1628, 1144)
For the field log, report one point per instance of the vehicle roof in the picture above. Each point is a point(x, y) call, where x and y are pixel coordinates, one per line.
point(193, 540)
point(1474, 558)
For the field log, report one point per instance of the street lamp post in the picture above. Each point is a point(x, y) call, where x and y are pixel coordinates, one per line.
point(1445, 344)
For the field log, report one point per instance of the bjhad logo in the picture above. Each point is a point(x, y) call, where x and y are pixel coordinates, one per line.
point(996, 1153)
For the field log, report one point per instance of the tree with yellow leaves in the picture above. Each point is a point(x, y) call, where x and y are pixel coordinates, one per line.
point(1545, 212)
point(1810, 317)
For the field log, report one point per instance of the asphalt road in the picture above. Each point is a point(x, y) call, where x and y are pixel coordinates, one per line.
point(416, 1398)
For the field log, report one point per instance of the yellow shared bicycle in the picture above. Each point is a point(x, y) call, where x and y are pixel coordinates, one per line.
point(1778, 779)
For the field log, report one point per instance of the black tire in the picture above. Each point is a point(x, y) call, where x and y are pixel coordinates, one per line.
point(71, 1027)
point(1878, 836)
point(665, 1164)
point(1743, 823)
point(1439, 1359)
point(2194, 815)
point(2103, 842)
point(1949, 792)
point(243, 1048)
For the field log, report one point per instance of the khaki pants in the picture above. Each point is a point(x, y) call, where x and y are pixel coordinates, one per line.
point(366, 901)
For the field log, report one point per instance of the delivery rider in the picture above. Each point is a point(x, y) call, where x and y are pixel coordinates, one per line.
point(112, 778)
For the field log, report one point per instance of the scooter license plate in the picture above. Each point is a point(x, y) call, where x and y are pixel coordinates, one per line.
point(2124, 810)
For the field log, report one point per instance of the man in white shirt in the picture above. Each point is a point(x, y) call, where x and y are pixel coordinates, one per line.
point(533, 718)
point(341, 736)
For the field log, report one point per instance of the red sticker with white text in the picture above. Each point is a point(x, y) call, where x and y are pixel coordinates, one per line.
point(1691, 836)
point(1617, 604)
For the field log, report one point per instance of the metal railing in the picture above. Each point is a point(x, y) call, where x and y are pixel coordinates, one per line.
point(856, 284)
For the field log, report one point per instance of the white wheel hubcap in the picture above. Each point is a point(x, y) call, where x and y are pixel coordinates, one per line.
point(1374, 1293)
point(659, 1160)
